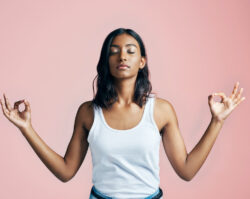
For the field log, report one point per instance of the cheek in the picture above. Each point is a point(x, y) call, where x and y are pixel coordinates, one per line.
point(136, 60)
point(112, 63)
point(112, 60)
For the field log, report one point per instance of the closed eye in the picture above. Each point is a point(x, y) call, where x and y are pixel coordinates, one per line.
point(130, 52)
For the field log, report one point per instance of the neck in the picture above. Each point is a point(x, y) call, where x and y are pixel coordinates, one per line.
point(125, 91)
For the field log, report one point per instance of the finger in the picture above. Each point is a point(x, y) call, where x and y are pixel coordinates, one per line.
point(7, 103)
point(2, 103)
point(234, 90)
point(27, 105)
point(242, 99)
point(210, 99)
point(222, 95)
point(5, 110)
point(238, 95)
point(17, 104)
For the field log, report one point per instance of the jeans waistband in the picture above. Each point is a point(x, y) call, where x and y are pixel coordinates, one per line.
point(157, 195)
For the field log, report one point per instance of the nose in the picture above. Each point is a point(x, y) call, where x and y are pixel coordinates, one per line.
point(122, 55)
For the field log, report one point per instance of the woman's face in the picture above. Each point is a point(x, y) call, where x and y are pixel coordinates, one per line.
point(125, 50)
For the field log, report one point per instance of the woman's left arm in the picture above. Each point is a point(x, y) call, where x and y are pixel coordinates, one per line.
point(187, 165)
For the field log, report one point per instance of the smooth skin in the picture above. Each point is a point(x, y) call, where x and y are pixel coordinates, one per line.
point(125, 114)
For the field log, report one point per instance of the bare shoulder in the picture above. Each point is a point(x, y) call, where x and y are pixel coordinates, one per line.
point(86, 114)
point(163, 111)
point(163, 103)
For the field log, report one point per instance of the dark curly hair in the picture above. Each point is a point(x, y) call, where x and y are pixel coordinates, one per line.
point(106, 95)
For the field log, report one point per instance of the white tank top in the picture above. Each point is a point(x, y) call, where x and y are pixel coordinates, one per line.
point(125, 162)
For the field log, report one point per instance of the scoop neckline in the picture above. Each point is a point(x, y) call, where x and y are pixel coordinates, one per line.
point(126, 130)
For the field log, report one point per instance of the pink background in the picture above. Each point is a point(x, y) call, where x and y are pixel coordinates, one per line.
point(49, 52)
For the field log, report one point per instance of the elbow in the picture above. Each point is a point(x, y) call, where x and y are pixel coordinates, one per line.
point(66, 175)
point(185, 178)
point(63, 179)
point(188, 177)
point(67, 178)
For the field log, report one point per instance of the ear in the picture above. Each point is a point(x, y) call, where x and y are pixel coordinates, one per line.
point(143, 62)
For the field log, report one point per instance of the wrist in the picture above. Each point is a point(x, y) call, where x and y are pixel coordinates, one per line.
point(26, 128)
point(217, 121)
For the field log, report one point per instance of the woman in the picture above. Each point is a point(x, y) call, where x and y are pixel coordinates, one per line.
point(123, 125)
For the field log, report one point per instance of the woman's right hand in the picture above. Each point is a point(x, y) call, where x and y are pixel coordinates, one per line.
point(20, 119)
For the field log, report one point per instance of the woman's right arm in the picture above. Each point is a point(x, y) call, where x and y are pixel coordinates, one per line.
point(64, 168)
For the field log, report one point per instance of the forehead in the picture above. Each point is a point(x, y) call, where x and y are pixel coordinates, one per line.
point(123, 39)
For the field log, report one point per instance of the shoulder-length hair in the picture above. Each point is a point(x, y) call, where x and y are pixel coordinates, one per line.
point(106, 95)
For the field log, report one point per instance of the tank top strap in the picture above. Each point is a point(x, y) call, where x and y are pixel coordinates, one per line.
point(150, 115)
point(151, 107)
point(96, 119)
point(98, 112)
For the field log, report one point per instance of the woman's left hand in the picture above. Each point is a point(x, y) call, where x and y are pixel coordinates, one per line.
point(221, 110)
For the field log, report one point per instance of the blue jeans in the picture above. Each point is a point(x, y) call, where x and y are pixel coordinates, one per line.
point(107, 197)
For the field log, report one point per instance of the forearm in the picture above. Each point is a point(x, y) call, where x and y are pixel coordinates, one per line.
point(54, 162)
point(198, 155)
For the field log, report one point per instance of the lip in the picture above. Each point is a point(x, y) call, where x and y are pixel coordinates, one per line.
point(122, 66)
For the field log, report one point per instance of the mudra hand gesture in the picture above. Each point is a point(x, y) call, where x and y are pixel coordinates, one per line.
point(221, 110)
point(19, 119)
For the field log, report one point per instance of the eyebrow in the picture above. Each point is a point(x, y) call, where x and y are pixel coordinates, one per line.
point(126, 45)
